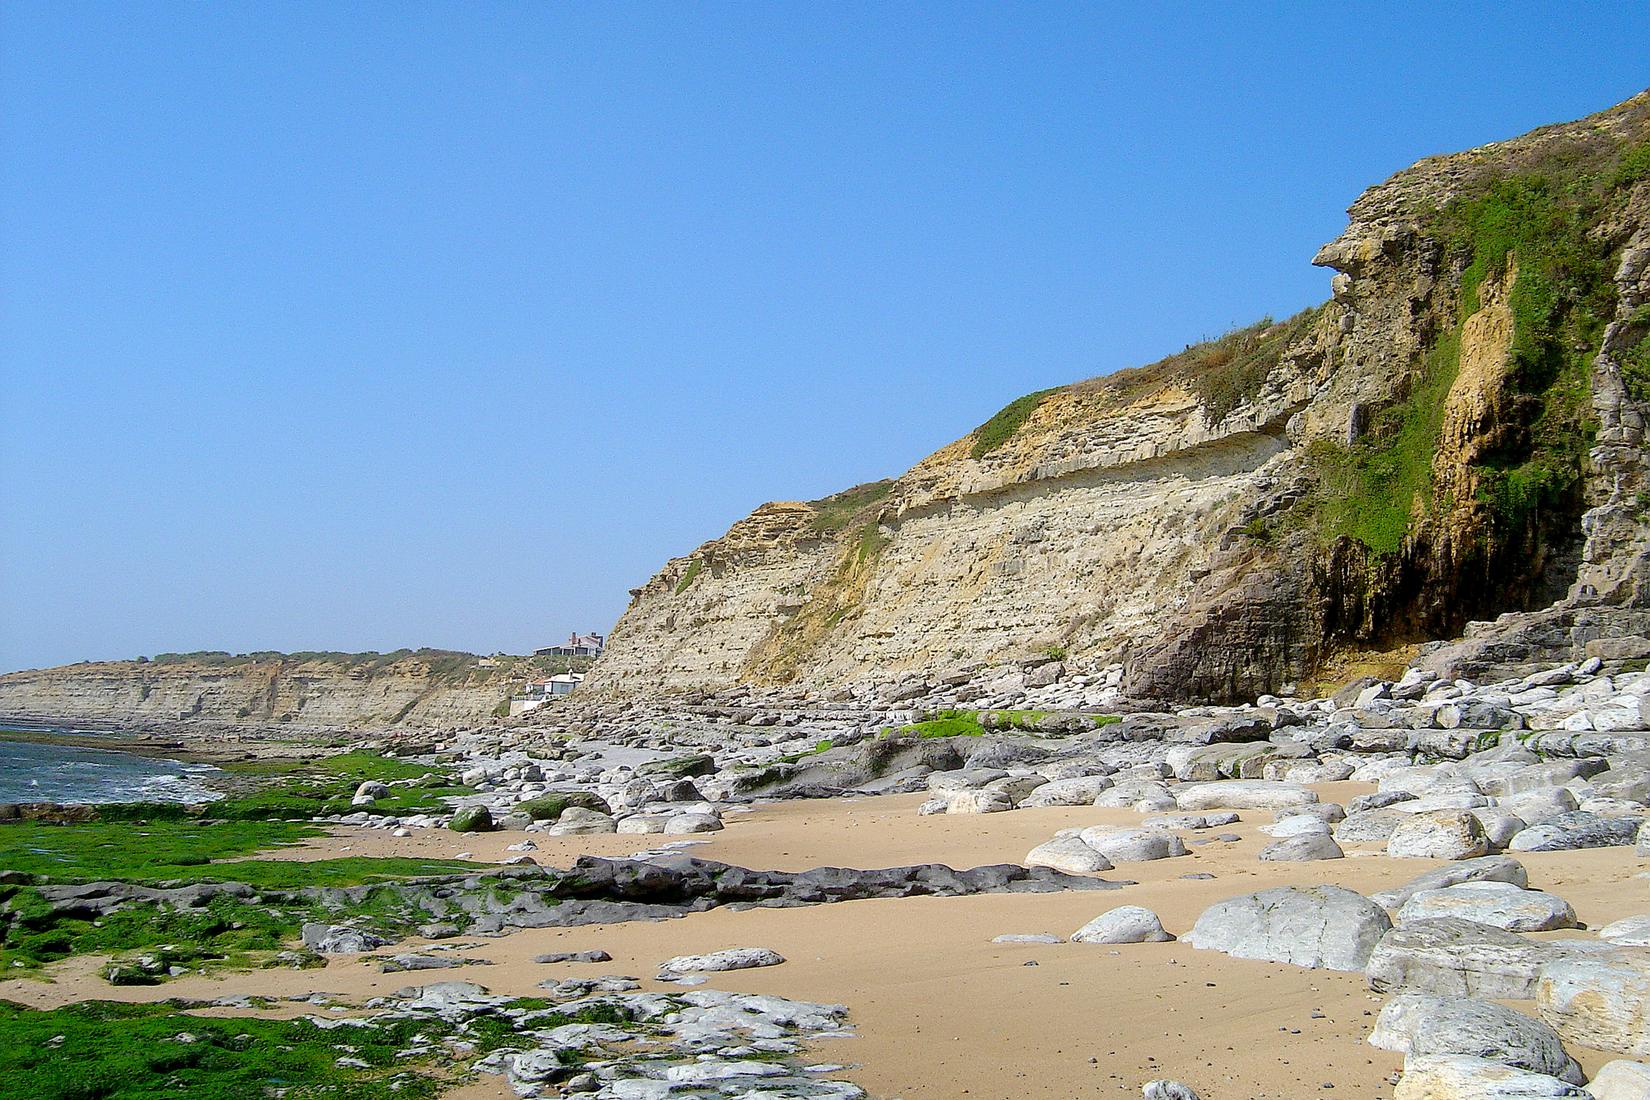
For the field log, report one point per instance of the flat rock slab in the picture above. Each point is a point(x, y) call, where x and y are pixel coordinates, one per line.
point(1460, 1077)
point(1027, 937)
point(1627, 932)
point(1461, 958)
point(734, 958)
point(574, 957)
point(1133, 845)
point(1302, 848)
point(1243, 794)
point(1483, 869)
point(1076, 791)
point(1497, 904)
point(1421, 1024)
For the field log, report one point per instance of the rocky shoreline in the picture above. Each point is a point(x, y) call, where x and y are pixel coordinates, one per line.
point(1477, 778)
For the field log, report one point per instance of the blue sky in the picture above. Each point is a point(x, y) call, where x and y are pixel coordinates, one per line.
point(358, 326)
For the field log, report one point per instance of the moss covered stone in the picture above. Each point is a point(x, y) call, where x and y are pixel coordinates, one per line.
point(472, 819)
point(550, 807)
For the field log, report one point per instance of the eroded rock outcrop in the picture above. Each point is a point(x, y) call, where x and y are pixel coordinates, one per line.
point(1383, 469)
point(365, 691)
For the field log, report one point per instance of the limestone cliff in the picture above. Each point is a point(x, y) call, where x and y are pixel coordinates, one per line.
point(1458, 432)
point(422, 689)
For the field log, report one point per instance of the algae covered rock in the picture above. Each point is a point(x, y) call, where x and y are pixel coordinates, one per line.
point(472, 819)
point(550, 807)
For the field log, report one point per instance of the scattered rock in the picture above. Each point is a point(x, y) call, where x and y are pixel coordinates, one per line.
point(1069, 854)
point(734, 958)
point(1316, 927)
point(1578, 829)
point(1441, 834)
point(1167, 1090)
point(1125, 924)
point(550, 807)
point(1422, 1025)
point(1621, 1080)
point(472, 819)
point(1459, 1077)
point(1498, 904)
point(1302, 848)
point(337, 939)
point(1482, 869)
point(1603, 1003)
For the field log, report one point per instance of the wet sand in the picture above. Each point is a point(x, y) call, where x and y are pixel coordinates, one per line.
point(940, 1010)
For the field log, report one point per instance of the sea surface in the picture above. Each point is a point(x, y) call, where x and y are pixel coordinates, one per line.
point(32, 772)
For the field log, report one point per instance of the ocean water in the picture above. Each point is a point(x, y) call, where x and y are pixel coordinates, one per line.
point(59, 773)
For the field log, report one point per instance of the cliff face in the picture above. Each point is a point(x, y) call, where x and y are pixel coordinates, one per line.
point(1458, 432)
point(353, 692)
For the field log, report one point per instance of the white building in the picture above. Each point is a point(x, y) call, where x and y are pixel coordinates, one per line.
point(561, 685)
point(577, 645)
point(539, 692)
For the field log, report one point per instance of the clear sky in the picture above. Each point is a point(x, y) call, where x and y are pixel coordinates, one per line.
point(359, 326)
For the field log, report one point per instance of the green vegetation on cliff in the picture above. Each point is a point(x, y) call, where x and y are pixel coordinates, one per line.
point(839, 510)
point(1229, 372)
point(690, 574)
point(1544, 225)
point(1008, 420)
point(1635, 364)
point(1374, 490)
point(1561, 299)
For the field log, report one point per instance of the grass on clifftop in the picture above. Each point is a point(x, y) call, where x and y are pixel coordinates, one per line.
point(837, 511)
point(1229, 372)
point(1224, 373)
point(444, 666)
point(1009, 419)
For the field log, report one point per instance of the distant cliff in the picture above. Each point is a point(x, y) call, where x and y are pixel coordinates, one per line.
point(1458, 432)
point(364, 691)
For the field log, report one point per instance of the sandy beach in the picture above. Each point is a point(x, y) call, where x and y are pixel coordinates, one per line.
point(940, 1010)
